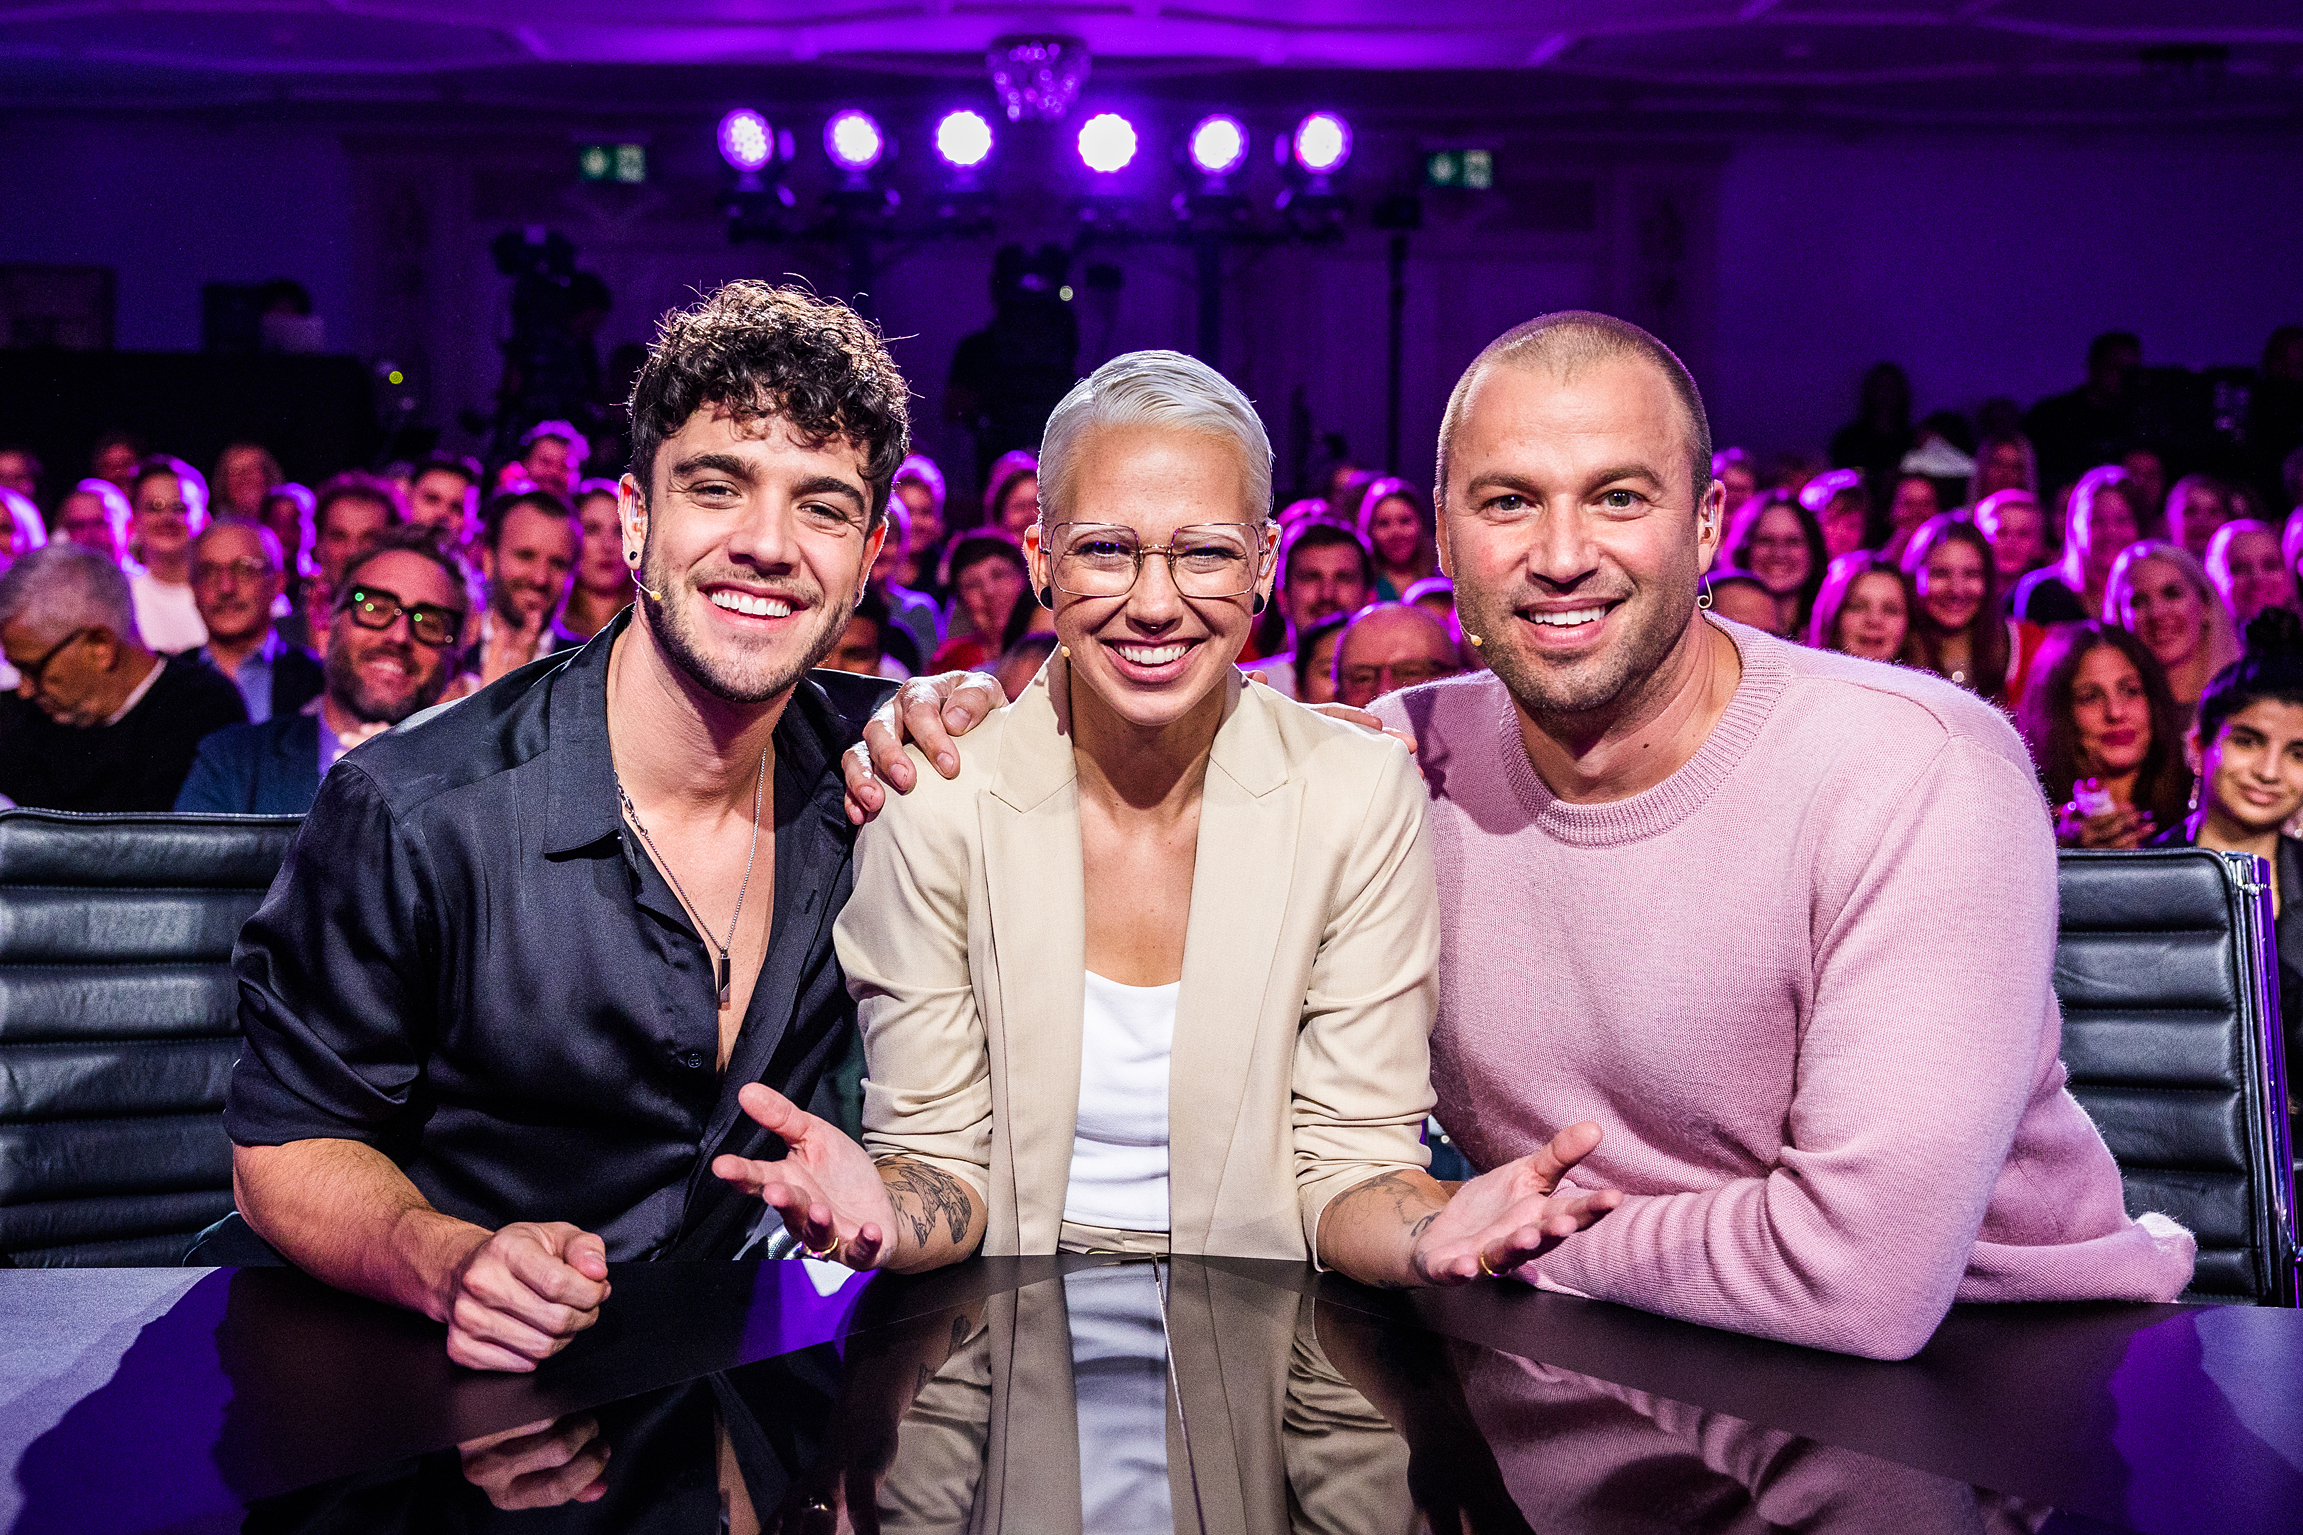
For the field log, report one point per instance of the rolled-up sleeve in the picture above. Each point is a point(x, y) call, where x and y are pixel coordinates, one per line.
point(336, 1028)
point(903, 942)
point(1362, 1083)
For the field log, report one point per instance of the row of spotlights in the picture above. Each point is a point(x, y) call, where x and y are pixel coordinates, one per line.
point(1107, 142)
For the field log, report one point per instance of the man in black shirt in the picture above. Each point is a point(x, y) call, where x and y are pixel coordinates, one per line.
point(525, 950)
point(98, 721)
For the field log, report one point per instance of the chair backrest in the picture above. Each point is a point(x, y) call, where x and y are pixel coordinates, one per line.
point(119, 1022)
point(2167, 976)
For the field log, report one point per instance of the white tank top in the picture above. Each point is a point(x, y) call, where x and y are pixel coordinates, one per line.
point(1120, 1149)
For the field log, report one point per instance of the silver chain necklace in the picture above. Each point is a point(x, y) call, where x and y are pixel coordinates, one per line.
point(759, 788)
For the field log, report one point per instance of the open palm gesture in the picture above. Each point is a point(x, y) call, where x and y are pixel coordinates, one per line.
point(1511, 1214)
point(827, 1188)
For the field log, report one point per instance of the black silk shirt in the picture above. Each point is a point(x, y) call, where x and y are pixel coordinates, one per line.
point(470, 964)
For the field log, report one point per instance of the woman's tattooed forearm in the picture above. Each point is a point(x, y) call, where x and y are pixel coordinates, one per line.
point(923, 1195)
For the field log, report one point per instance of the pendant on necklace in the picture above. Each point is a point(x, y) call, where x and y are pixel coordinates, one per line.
point(724, 992)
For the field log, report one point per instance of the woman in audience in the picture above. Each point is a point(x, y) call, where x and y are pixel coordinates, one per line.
point(245, 474)
point(1012, 493)
point(2104, 517)
point(1958, 631)
point(2158, 592)
point(2107, 736)
point(1841, 508)
point(2002, 463)
point(21, 530)
point(603, 583)
point(920, 486)
point(2245, 563)
point(95, 516)
point(1864, 609)
point(2196, 506)
point(1774, 538)
point(2017, 528)
point(1396, 526)
point(1109, 936)
point(1915, 501)
point(2248, 752)
point(986, 575)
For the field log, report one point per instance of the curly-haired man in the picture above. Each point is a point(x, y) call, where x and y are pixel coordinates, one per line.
point(526, 949)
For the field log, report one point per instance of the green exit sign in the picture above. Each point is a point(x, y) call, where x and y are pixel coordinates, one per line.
point(1471, 169)
point(627, 163)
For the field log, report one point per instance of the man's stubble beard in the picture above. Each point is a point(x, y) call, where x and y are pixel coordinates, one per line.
point(677, 637)
point(1594, 686)
point(351, 694)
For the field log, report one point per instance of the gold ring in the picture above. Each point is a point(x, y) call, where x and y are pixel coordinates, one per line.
point(1483, 1268)
point(829, 1248)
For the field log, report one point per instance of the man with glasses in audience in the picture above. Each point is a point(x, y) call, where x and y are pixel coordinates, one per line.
point(390, 648)
point(98, 720)
point(237, 574)
point(1388, 646)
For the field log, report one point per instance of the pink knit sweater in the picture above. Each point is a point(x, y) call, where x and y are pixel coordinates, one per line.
point(1804, 985)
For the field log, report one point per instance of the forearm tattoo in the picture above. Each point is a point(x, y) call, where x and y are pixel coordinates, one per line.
point(922, 1194)
point(1404, 1195)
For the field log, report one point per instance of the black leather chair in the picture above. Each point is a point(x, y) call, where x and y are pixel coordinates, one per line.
point(2166, 972)
point(118, 1027)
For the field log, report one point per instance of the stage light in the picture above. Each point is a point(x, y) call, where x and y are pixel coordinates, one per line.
point(1107, 143)
point(1218, 144)
point(1322, 143)
point(964, 139)
point(854, 141)
point(745, 140)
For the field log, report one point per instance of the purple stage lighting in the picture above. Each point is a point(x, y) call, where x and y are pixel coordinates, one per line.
point(1322, 143)
point(964, 139)
point(1107, 143)
point(745, 140)
point(854, 141)
point(1218, 144)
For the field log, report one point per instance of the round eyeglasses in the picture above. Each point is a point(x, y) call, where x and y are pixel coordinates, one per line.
point(1208, 560)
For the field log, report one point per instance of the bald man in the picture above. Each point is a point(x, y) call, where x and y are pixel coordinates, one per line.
point(1388, 646)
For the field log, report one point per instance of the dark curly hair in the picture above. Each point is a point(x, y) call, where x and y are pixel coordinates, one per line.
point(758, 350)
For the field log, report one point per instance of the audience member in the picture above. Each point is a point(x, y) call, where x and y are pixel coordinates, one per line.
point(527, 557)
point(2003, 463)
point(2162, 596)
point(1395, 525)
point(170, 501)
point(1913, 503)
point(2149, 472)
point(21, 530)
point(985, 570)
point(1742, 597)
point(444, 493)
point(20, 472)
point(863, 645)
point(391, 652)
point(1841, 507)
point(2095, 423)
point(603, 584)
point(920, 486)
point(1876, 440)
point(1348, 496)
point(1958, 630)
point(1387, 646)
point(1313, 668)
point(1012, 493)
point(2017, 529)
point(98, 721)
point(349, 515)
point(917, 624)
point(2247, 750)
point(244, 476)
point(1325, 571)
point(2104, 518)
point(1022, 662)
point(2107, 736)
point(1296, 513)
point(96, 516)
point(552, 455)
point(1733, 468)
point(1864, 609)
point(2249, 570)
point(116, 457)
point(2195, 508)
point(1774, 538)
point(237, 574)
point(289, 513)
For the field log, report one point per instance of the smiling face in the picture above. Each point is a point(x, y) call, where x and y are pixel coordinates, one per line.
point(548, 465)
point(1322, 581)
point(2111, 712)
point(600, 568)
point(349, 528)
point(1951, 584)
point(1396, 531)
point(2164, 611)
point(529, 563)
point(443, 499)
point(1572, 530)
point(1873, 619)
point(1154, 656)
point(1777, 551)
point(166, 518)
point(758, 544)
point(2253, 770)
point(381, 676)
point(2018, 535)
point(234, 582)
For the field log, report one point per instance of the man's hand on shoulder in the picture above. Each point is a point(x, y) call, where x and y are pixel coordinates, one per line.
point(521, 1294)
point(929, 712)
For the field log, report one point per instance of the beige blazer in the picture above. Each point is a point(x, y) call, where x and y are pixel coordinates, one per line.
point(1301, 1064)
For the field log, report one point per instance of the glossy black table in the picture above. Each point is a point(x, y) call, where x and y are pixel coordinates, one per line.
point(1054, 1394)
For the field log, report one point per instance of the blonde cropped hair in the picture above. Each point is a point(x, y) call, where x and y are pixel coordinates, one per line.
point(1154, 389)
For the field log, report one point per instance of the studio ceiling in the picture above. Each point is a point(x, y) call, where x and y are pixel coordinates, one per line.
point(1944, 61)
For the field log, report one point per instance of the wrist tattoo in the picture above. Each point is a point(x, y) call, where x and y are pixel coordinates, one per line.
point(921, 1195)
